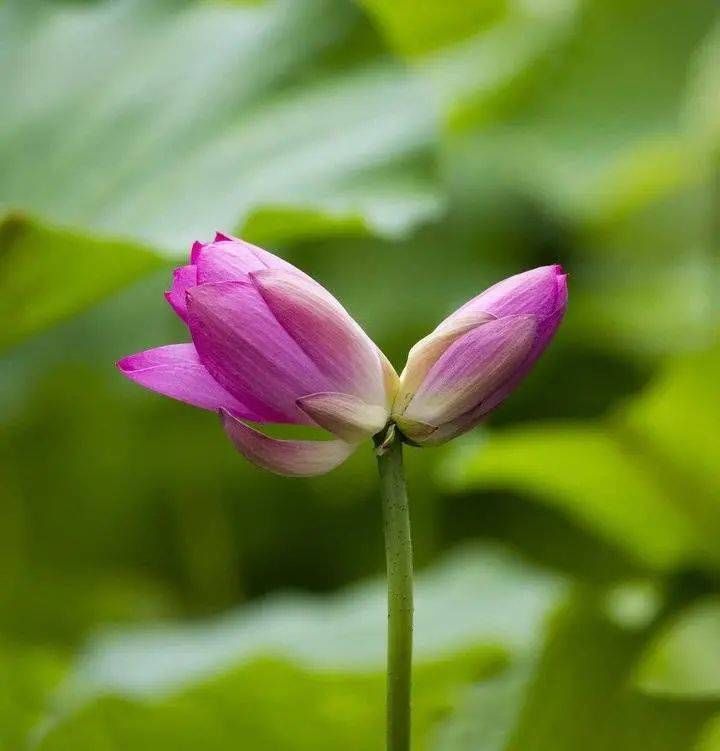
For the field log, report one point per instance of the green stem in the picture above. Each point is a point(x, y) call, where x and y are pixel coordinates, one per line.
point(398, 551)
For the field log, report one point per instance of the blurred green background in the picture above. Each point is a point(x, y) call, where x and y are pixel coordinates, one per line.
point(156, 591)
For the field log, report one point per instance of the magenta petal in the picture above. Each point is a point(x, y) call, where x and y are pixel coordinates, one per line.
point(428, 350)
point(249, 353)
point(468, 420)
point(184, 277)
point(175, 370)
point(536, 292)
point(290, 458)
point(472, 368)
point(233, 260)
point(325, 331)
point(197, 246)
point(474, 375)
point(546, 331)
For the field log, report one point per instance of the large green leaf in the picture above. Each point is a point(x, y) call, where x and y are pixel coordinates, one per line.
point(644, 252)
point(571, 130)
point(703, 105)
point(684, 396)
point(193, 115)
point(488, 712)
point(576, 696)
point(268, 705)
point(297, 673)
point(588, 472)
point(604, 132)
point(633, 479)
point(495, 598)
point(710, 740)
point(281, 120)
point(472, 48)
point(417, 28)
point(48, 274)
point(581, 697)
point(30, 676)
point(683, 659)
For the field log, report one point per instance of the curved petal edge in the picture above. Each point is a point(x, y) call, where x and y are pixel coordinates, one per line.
point(285, 457)
point(175, 370)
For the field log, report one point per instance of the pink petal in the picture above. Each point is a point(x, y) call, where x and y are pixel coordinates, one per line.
point(197, 246)
point(540, 294)
point(224, 259)
point(184, 277)
point(537, 292)
point(467, 421)
point(233, 260)
point(290, 458)
point(546, 331)
point(344, 415)
point(428, 350)
point(175, 370)
point(249, 353)
point(324, 330)
point(472, 369)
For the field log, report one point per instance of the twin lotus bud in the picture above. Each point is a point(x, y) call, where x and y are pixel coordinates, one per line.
point(271, 345)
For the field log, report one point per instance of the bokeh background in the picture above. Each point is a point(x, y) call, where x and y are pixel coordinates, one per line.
point(157, 592)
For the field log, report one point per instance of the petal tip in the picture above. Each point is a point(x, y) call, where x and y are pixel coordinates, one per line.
point(129, 363)
point(561, 281)
point(195, 249)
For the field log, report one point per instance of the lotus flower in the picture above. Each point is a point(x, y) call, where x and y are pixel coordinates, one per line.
point(467, 366)
point(271, 345)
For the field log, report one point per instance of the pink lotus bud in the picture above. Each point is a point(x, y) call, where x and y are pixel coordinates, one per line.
point(466, 367)
point(269, 345)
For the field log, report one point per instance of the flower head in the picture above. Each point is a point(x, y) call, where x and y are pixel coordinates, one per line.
point(271, 345)
point(467, 366)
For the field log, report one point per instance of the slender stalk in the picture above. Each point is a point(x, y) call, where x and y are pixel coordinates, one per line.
point(398, 551)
